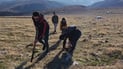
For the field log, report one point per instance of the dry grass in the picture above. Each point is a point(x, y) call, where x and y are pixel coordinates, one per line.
point(100, 46)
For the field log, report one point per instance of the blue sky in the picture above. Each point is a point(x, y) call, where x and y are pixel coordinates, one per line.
point(80, 2)
point(73, 2)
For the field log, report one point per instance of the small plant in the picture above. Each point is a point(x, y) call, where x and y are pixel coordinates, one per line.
point(2, 66)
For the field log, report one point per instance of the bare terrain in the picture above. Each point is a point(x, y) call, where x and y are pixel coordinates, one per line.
point(100, 46)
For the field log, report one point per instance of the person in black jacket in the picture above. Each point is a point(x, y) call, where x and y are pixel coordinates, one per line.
point(55, 20)
point(72, 34)
point(42, 29)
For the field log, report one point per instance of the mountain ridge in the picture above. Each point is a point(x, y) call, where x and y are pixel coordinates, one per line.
point(27, 7)
point(108, 4)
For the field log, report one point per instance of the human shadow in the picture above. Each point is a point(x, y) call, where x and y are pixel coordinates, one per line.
point(31, 44)
point(40, 57)
point(59, 62)
point(53, 47)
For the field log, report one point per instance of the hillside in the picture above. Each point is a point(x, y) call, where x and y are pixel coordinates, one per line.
point(68, 9)
point(28, 6)
point(108, 4)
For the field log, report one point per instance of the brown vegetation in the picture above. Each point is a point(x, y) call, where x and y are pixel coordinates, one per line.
point(100, 46)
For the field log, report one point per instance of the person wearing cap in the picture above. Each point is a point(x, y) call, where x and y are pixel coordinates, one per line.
point(70, 36)
point(55, 20)
point(42, 30)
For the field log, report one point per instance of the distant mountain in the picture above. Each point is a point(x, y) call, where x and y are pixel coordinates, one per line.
point(108, 4)
point(26, 7)
point(68, 9)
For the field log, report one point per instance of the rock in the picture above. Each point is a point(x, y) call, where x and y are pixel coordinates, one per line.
point(85, 40)
point(75, 63)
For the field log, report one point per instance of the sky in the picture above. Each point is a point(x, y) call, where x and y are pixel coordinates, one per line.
point(78, 2)
point(73, 2)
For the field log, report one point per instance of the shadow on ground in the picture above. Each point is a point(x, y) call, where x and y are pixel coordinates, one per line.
point(42, 55)
point(59, 62)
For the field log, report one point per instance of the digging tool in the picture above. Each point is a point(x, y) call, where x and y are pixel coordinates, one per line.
point(33, 50)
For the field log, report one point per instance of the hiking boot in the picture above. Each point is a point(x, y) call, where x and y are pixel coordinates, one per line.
point(43, 48)
point(54, 32)
point(47, 50)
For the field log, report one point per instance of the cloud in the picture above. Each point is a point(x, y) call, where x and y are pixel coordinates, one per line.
point(80, 2)
point(73, 2)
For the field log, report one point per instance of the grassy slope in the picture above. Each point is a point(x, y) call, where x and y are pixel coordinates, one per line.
point(99, 47)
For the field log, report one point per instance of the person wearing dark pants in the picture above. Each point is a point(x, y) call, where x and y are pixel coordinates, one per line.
point(72, 34)
point(55, 20)
point(42, 30)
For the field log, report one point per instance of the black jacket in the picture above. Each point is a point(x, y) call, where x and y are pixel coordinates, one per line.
point(55, 19)
point(70, 32)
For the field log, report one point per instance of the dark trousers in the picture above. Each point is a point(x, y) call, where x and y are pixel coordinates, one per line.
point(55, 26)
point(44, 40)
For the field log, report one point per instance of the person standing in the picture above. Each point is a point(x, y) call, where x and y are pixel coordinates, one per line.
point(55, 20)
point(63, 24)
